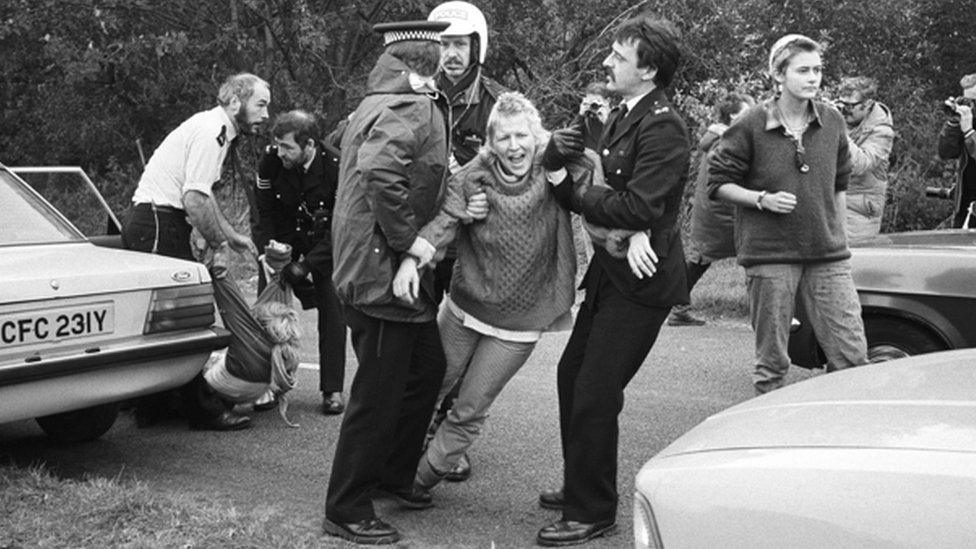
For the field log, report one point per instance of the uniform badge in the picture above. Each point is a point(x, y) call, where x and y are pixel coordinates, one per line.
point(662, 109)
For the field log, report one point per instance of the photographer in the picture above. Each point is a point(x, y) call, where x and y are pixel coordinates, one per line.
point(593, 112)
point(870, 137)
point(958, 140)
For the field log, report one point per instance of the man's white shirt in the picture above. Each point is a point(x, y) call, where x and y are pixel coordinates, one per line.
point(190, 158)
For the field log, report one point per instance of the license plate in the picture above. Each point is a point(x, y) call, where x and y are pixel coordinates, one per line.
point(56, 324)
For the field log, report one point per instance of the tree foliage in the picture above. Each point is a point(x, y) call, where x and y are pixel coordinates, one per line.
point(88, 82)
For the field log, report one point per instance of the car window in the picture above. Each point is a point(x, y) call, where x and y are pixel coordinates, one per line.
point(71, 191)
point(26, 219)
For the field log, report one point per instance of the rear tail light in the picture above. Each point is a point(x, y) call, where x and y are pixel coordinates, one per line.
point(180, 308)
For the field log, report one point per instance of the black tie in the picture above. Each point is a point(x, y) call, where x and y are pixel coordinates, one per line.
point(621, 114)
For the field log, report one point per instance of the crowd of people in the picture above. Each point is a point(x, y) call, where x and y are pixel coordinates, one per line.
point(434, 228)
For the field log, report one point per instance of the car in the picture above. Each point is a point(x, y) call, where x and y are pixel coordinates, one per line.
point(883, 455)
point(84, 327)
point(917, 296)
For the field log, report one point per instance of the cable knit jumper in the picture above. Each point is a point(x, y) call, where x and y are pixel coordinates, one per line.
point(516, 268)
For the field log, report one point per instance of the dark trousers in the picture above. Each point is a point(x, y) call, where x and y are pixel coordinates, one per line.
point(694, 272)
point(610, 340)
point(165, 231)
point(331, 329)
point(401, 366)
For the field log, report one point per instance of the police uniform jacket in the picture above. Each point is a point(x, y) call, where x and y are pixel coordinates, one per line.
point(471, 101)
point(645, 157)
point(392, 181)
point(295, 205)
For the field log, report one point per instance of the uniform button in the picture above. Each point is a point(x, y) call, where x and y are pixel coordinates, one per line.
point(376, 250)
point(606, 152)
point(618, 171)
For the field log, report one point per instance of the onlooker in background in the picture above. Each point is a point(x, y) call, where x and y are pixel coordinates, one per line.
point(593, 112)
point(471, 96)
point(958, 140)
point(174, 196)
point(785, 164)
point(295, 194)
point(712, 228)
point(871, 136)
point(644, 151)
point(392, 179)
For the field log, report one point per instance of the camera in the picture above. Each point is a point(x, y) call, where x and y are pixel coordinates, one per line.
point(962, 101)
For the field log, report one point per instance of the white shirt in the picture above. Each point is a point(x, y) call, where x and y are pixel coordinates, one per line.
point(189, 159)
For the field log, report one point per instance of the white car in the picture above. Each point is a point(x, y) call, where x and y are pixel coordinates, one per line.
point(84, 327)
point(878, 456)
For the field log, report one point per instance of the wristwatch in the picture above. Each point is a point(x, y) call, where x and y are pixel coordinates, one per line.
point(762, 194)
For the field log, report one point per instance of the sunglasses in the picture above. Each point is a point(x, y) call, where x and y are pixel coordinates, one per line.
point(849, 105)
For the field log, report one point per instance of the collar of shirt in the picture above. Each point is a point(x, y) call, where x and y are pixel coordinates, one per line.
point(774, 118)
point(228, 123)
point(633, 101)
point(421, 84)
point(310, 160)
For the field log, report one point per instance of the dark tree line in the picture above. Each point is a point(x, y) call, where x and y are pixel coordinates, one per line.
point(83, 81)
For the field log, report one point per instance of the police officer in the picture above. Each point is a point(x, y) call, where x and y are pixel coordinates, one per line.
point(644, 151)
point(296, 189)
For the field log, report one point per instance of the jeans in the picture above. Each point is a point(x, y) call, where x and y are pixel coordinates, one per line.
point(484, 364)
point(827, 291)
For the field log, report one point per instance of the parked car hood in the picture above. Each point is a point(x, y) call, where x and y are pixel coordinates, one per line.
point(925, 402)
point(31, 272)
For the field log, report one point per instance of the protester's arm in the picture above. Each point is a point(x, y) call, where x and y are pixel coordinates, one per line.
point(727, 170)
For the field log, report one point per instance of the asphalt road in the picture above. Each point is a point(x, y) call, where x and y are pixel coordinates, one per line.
point(691, 373)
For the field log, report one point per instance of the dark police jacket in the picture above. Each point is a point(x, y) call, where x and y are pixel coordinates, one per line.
point(295, 206)
point(645, 161)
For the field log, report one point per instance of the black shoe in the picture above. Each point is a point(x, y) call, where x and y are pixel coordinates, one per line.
point(681, 317)
point(332, 404)
point(570, 532)
point(227, 421)
point(552, 499)
point(415, 498)
point(266, 406)
point(461, 471)
point(371, 531)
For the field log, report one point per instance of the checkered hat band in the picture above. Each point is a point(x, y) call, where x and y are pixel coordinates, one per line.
point(399, 36)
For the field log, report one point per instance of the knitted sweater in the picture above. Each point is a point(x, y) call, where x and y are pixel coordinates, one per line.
point(516, 268)
point(756, 153)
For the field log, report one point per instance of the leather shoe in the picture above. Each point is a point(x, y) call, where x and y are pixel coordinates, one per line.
point(461, 471)
point(371, 531)
point(552, 499)
point(415, 498)
point(332, 404)
point(570, 532)
point(227, 421)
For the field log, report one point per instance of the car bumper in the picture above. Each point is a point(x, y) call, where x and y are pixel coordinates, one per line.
point(61, 384)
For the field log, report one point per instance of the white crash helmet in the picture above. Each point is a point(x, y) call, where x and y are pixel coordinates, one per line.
point(465, 19)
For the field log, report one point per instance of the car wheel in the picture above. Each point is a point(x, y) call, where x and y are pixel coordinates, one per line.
point(890, 338)
point(80, 425)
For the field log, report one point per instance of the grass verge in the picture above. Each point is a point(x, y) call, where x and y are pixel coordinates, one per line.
point(40, 510)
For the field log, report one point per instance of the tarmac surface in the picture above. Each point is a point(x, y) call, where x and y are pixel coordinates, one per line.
point(691, 373)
